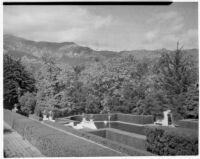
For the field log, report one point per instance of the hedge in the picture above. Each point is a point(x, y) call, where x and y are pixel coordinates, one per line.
point(53, 143)
point(133, 140)
point(10, 117)
point(95, 117)
point(112, 144)
point(101, 117)
point(172, 141)
point(101, 133)
point(133, 128)
point(137, 119)
point(188, 124)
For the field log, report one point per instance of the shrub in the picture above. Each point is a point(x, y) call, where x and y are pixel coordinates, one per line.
point(172, 141)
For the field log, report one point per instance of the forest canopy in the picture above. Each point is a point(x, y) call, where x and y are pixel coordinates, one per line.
point(119, 84)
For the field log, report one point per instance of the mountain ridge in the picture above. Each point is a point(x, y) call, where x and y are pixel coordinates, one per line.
point(66, 51)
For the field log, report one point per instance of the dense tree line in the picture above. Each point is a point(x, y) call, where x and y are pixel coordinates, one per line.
point(121, 84)
point(16, 81)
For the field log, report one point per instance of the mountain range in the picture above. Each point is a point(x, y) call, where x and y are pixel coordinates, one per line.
point(72, 53)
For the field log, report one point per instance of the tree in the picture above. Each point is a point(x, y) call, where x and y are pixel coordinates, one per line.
point(153, 104)
point(187, 103)
point(48, 84)
point(176, 72)
point(27, 103)
point(17, 81)
point(73, 96)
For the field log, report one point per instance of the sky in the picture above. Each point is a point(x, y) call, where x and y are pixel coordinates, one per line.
point(117, 28)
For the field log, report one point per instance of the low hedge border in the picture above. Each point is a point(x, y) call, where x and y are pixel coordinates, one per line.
point(112, 144)
point(171, 141)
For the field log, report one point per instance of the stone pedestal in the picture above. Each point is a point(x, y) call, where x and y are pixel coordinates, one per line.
point(51, 119)
point(167, 119)
point(45, 117)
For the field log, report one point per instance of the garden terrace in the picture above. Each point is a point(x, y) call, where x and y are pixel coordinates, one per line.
point(138, 132)
point(56, 140)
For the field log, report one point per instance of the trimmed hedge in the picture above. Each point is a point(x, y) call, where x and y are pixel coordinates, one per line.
point(137, 119)
point(53, 143)
point(10, 117)
point(132, 140)
point(95, 117)
point(129, 139)
point(76, 118)
point(172, 141)
point(133, 128)
point(112, 144)
point(101, 133)
point(139, 129)
point(188, 124)
point(101, 117)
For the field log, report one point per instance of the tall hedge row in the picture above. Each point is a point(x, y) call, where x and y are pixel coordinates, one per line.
point(172, 141)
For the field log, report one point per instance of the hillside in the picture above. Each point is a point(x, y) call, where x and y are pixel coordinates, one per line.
point(72, 53)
